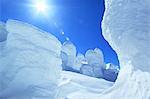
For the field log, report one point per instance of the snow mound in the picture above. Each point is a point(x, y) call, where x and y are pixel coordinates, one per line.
point(30, 66)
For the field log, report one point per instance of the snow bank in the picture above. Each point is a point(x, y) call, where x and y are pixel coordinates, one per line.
point(31, 63)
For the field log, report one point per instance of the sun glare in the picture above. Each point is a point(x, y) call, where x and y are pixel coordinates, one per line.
point(41, 6)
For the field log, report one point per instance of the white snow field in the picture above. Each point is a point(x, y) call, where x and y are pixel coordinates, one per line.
point(30, 64)
point(126, 26)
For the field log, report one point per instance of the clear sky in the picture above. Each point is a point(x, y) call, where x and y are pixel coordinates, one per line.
point(79, 20)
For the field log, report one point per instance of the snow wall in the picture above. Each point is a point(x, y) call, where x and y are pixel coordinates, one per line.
point(126, 26)
point(30, 62)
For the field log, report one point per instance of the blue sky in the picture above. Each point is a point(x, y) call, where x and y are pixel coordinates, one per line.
point(80, 20)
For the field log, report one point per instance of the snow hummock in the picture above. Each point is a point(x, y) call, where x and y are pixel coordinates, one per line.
point(30, 65)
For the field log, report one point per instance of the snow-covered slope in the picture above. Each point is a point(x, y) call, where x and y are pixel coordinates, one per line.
point(31, 64)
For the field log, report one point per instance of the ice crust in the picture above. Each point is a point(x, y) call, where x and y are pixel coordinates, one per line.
point(30, 64)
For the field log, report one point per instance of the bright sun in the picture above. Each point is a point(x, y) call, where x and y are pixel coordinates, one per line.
point(41, 6)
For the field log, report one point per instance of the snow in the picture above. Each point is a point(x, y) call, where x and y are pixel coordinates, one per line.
point(68, 54)
point(95, 64)
point(92, 64)
point(79, 61)
point(110, 72)
point(31, 63)
point(75, 82)
point(31, 59)
point(126, 27)
point(3, 37)
point(3, 32)
point(95, 57)
point(129, 85)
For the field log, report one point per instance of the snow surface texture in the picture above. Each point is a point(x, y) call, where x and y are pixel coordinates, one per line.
point(74, 82)
point(30, 64)
point(126, 26)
